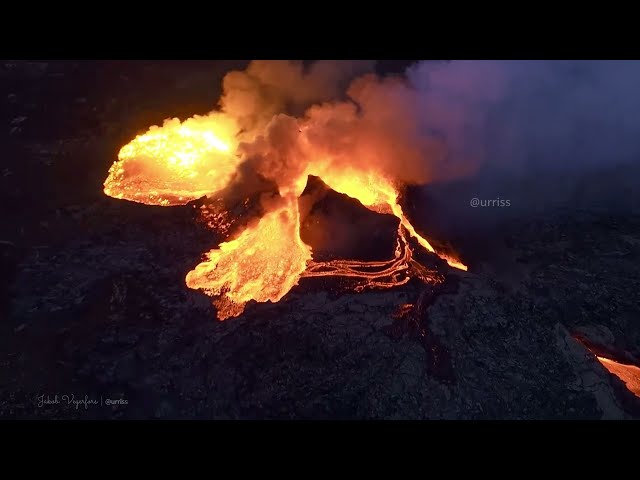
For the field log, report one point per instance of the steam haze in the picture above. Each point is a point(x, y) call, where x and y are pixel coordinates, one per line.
point(544, 134)
point(542, 115)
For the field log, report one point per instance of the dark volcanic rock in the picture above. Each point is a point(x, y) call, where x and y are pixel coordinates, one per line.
point(337, 226)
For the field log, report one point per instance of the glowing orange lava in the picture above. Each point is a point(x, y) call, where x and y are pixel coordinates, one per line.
point(183, 161)
point(176, 163)
point(262, 264)
point(629, 374)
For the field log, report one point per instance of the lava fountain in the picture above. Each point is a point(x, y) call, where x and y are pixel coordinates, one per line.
point(204, 155)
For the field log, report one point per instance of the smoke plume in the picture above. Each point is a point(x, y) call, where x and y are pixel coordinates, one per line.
point(269, 87)
point(539, 133)
point(445, 120)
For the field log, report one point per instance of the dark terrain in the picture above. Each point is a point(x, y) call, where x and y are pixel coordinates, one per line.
point(93, 301)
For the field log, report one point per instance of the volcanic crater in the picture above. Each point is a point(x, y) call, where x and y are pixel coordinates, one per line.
point(94, 300)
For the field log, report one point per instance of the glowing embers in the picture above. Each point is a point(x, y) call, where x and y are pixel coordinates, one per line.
point(629, 374)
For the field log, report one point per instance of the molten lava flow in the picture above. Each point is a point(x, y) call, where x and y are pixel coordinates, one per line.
point(387, 274)
point(176, 163)
point(180, 162)
point(376, 193)
point(453, 262)
point(263, 263)
point(376, 274)
point(629, 374)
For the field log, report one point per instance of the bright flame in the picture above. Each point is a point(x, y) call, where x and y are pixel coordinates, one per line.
point(176, 163)
point(629, 374)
